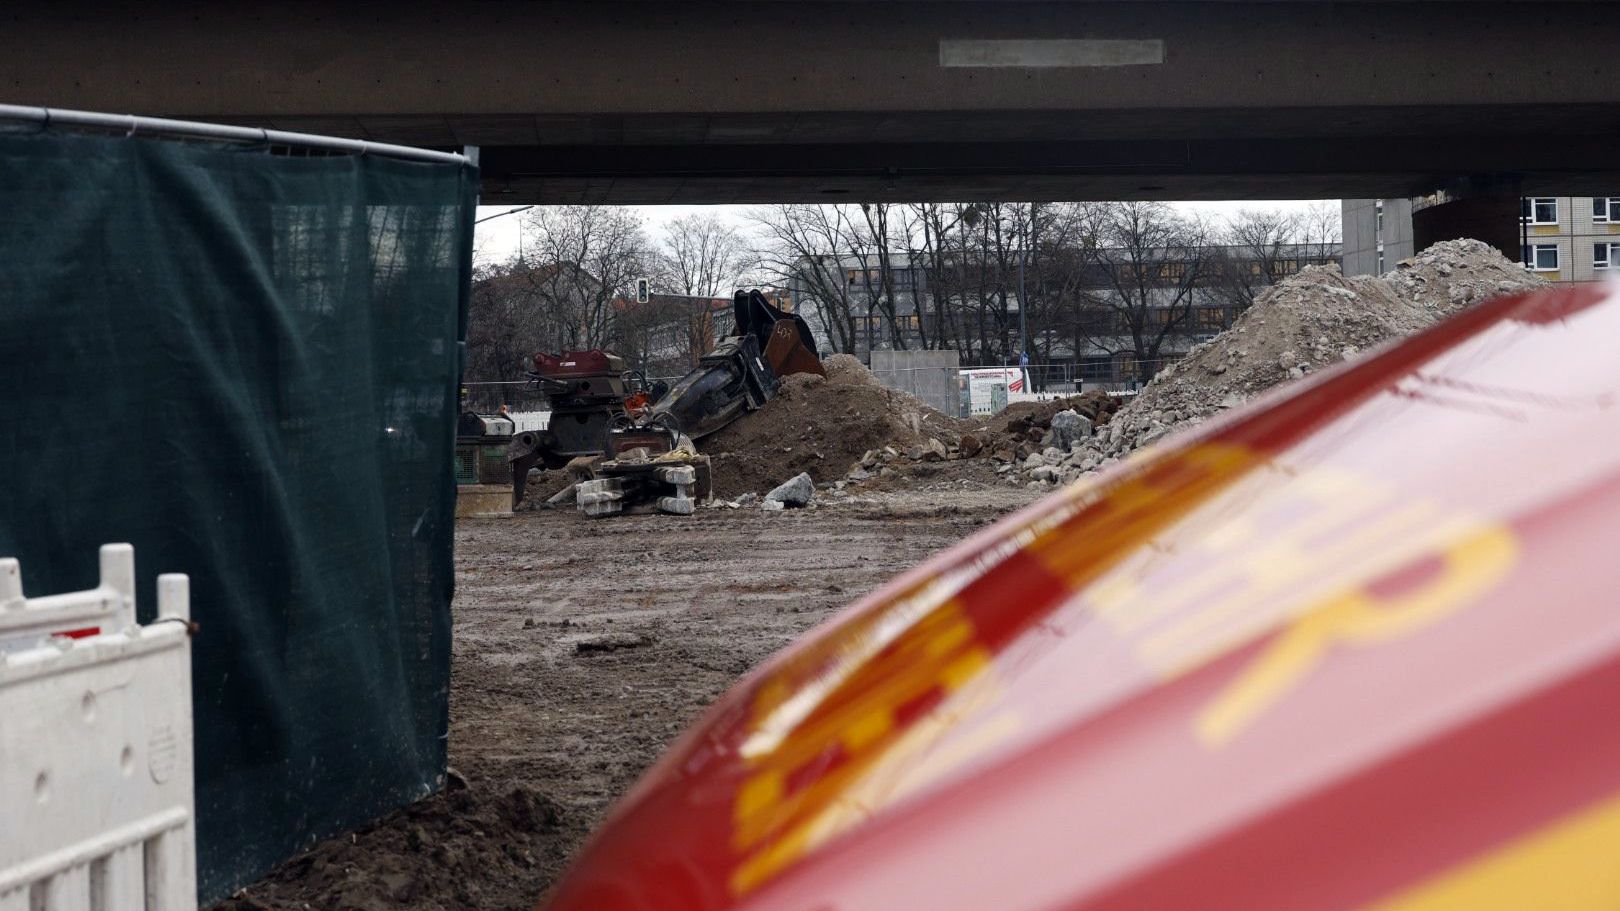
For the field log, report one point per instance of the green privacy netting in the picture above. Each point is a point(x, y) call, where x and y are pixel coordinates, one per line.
point(246, 365)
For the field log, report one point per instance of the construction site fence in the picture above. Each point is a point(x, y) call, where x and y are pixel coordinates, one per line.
point(491, 397)
point(270, 348)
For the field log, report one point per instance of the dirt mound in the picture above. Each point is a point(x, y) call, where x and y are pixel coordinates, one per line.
point(822, 426)
point(1022, 426)
point(1308, 321)
point(477, 847)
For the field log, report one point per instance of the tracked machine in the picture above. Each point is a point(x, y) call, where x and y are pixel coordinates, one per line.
point(631, 445)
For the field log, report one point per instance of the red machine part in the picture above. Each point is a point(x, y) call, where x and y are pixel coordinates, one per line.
point(1354, 646)
point(576, 363)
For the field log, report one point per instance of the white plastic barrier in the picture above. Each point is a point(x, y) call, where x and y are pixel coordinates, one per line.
point(529, 420)
point(96, 807)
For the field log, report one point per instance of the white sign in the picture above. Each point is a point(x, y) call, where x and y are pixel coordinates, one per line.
point(988, 388)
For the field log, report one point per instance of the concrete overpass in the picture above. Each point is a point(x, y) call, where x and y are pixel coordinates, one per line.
point(716, 102)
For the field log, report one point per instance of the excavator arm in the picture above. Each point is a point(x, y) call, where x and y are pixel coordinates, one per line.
point(742, 373)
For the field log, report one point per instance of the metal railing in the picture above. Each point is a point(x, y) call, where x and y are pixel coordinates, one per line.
point(133, 125)
point(514, 395)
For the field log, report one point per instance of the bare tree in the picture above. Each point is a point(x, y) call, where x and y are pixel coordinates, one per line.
point(1150, 261)
point(1322, 229)
point(1061, 252)
point(927, 228)
point(702, 256)
point(584, 258)
point(1256, 244)
point(813, 249)
point(879, 282)
point(504, 324)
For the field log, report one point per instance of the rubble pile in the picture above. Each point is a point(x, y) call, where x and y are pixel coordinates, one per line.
point(1026, 427)
point(1306, 322)
point(984, 449)
point(1454, 274)
point(824, 427)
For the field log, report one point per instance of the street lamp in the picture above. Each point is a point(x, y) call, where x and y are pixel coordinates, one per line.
point(503, 214)
point(1023, 320)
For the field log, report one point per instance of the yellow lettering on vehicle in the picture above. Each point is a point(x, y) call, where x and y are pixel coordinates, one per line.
point(1469, 566)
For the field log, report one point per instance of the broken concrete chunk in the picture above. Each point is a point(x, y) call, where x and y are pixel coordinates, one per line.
point(680, 506)
point(682, 474)
point(1069, 427)
point(795, 491)
point(1151, 437)
point(601, 497)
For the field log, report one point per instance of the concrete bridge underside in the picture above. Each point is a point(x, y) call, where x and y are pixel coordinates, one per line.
point(716, 102)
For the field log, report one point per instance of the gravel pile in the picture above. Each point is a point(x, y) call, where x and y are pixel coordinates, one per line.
point(1306, 322)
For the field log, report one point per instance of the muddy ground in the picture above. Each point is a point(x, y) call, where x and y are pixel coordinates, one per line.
point(582, 647)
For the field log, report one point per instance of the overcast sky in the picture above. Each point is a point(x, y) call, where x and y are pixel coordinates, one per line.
point(497, 239)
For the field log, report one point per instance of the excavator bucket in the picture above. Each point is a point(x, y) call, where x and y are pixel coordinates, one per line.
point(784, 338)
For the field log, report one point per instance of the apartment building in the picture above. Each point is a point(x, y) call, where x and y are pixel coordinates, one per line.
point(1565, 238)
point(1572, 238)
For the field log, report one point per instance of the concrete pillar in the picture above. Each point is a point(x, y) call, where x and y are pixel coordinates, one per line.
point(1489, 215)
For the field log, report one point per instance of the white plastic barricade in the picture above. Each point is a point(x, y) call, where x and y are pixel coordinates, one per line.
point(95, 746)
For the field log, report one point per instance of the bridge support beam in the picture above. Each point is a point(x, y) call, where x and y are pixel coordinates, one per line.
point(1485, 210)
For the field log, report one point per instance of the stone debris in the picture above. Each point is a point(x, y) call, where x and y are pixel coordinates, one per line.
point(1305, 323)
point(611, 642)
point(794, 492)
point(1069, 427)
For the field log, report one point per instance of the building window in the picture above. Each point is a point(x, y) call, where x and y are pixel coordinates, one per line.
point(1210, 320)
point(1380, 259)
point(1606, 209)
point(1380, 218)
point(1605, 255)
point(1541, 210)
point(1541, 257)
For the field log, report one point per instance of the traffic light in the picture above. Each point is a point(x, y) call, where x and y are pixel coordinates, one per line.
point(643, 290)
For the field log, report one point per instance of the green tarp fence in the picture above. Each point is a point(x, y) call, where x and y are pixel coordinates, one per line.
point(245, 363)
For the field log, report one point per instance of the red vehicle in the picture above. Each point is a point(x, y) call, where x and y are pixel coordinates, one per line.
point(1355, 646)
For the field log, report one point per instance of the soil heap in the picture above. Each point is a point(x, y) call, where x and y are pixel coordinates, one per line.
point(465, 847)
point(1023, 427)
point(822, 426)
